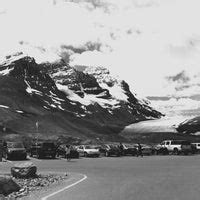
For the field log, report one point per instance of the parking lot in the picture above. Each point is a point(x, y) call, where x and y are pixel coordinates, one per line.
point(113, 171)
point(128, 177)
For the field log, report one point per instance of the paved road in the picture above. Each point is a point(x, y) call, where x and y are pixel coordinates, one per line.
point(129, 178)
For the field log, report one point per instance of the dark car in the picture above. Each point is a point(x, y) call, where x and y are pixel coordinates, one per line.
point(159, 150)
point(110, 150)
point(14, 150)
point(129, 149)
point(146, 149)
point(195, 147)
point(187, 147)
point(61, 151)
point(43, 149)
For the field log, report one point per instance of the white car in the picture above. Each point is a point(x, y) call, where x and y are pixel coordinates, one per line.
point(177, 146)
point(88, 151)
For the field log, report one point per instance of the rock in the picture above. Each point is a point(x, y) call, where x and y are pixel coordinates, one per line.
point(34, 184)
point(7, 186)
point(2, 197)
point(24, 170)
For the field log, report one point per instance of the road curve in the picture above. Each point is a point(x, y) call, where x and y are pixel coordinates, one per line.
point(128, 178)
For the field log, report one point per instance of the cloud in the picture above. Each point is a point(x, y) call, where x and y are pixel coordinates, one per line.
point(179, 78)
point(184, 84)
point(175, 107)
point(141, 40)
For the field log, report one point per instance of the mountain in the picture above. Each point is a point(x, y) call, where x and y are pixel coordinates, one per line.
point(190, 126)
point(50, 99)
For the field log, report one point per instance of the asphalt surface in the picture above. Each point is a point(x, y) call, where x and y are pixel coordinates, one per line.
point(126, 178)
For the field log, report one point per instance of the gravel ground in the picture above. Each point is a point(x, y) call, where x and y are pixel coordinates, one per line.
point(35, 184)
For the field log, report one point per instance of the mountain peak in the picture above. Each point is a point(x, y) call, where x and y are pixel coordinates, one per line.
point(78, 103)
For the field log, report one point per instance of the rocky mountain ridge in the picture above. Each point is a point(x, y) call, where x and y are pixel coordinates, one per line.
point(190, 126)
point(63, 100)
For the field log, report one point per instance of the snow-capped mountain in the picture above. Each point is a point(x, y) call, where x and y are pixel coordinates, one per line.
point(190, 126)
point(137, 35)
point(63, 100)
point(96, 86)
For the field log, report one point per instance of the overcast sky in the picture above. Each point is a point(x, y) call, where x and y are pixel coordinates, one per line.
point(141, 40)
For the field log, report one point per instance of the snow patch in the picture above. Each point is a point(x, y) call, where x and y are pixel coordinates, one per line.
point(110, 111)
point(3, 106)
point(71, 95)
point(116, 91)
point(6, 71)
point(55, 101)
point(61, 108)
point(88, 98)
point(82, 115)
point(63, 73)
point(31, 90)
point(14, 57)
point(55, 97)
point(52, 105)
point(46, 107)
point(19, 111)
point(73, 103)
point(196, 133)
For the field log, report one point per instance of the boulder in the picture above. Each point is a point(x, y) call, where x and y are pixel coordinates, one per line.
point(24, 170)
point(7, 186)
point(2, 197)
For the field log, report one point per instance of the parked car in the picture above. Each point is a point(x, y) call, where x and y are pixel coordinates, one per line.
point(187, 147)
point(129, 149)
point(88, 151)
point(43, 149)
point(146, 149)
point(61, 151)
point(13, 150)
point(160, 150)
point(110, 150)
point(177, 146)
point(196, 147)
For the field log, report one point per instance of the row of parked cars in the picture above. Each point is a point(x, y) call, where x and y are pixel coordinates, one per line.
point(166, 147)
point(50, 149)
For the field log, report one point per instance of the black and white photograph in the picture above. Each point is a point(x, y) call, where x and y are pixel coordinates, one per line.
point(99, 100)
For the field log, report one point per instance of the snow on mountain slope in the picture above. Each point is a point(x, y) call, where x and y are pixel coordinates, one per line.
point(190, 126)
point(120, 91)
point(65, 100)
point(35, 83)
point(95, 85)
